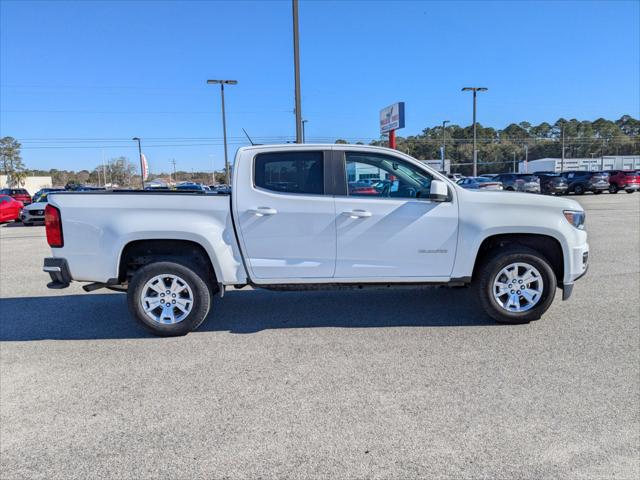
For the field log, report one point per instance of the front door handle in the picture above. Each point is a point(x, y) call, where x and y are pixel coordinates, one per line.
point(357, 214)
point(262, 211)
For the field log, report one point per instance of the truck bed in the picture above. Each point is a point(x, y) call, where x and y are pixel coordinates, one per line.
point(98, 225)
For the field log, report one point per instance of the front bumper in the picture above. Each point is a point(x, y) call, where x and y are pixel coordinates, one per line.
point(29, 218)
point(579, 268)
point(58, 270)
point(632, 187)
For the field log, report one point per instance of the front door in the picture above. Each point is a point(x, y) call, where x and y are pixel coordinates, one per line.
point(286, 222)
point(386, 225)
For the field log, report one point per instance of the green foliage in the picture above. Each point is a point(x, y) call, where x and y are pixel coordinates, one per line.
point(496, 147)
point(12, 165)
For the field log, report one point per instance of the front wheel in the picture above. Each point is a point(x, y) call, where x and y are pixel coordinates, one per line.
point(629, 191)
point(516, 285)
point(169, 298)
point(613, 188)
point(579, 190)
point(597, 192)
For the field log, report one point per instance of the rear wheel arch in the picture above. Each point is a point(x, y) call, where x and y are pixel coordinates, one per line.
point(547, 246)
point(139, 253)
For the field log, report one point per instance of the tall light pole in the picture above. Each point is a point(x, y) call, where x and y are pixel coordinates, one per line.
point(444, 125)
point(296, 67)
point(475, 91)
point(304, 137)
point(137, 139)
point(224, 124)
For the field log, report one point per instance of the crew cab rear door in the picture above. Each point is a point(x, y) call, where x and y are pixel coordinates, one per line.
point(284, 216)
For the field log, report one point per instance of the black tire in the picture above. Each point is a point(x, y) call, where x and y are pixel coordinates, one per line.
point(597, 192)
point(492, 266)
point(27, 224)
point(613, 188)
point(629, 191)
point(578, 190)
point(192, 276)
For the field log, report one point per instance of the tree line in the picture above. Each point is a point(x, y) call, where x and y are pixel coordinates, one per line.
point(497, 149)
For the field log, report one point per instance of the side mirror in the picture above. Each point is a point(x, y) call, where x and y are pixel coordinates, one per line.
point(439, 191)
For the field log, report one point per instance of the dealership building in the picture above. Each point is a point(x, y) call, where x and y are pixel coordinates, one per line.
point(608, 162)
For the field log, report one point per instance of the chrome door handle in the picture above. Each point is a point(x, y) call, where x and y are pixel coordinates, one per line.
point(262, 211)
point(357, 214)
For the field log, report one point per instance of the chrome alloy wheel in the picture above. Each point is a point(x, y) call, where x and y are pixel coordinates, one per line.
point(166, 299)
point(518, 287)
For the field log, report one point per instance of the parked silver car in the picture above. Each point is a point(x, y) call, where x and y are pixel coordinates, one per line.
point(519, 182)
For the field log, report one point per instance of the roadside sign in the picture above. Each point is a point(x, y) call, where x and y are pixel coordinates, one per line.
point(392, 117)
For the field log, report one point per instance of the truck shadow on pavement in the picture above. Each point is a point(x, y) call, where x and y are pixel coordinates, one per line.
point(105, 316)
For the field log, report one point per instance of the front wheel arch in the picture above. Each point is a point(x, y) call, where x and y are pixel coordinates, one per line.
point(546, 245)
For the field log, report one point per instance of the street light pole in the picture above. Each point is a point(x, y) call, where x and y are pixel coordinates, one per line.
point(304, 137)
point(137, 139)
point(444, 124)
point(296, 67)
point(475, 91)
point(224, 124)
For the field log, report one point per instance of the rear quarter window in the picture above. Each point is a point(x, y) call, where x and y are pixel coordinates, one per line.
point(290, 172)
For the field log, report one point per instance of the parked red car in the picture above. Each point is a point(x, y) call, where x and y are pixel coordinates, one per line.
point(9, 208)
point(627, 180)
point(19, 194)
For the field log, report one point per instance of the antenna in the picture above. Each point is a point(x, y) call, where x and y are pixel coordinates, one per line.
point(249, 138)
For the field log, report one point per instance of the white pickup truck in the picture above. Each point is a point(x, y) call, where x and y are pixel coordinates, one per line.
point(316, 216)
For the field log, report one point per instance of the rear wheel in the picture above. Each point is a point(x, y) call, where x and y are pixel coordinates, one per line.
point(613, 188)
point(579, 190)
point(169, 298)
point(597, 192)
point(516, 285)
point(629, 191)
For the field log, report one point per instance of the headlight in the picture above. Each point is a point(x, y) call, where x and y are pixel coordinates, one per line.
point(575, 218)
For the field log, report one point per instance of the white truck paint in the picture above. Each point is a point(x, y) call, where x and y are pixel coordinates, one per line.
point(269, 238)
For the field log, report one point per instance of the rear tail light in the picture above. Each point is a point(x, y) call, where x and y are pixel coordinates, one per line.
point(53, 226)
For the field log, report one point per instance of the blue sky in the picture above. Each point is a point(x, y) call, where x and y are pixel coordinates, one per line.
point(102, 72)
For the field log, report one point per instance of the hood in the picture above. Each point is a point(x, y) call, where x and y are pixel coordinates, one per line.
point(36, 206)
point(497, 197)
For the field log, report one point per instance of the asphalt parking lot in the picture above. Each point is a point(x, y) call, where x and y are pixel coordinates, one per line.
point(351, 384)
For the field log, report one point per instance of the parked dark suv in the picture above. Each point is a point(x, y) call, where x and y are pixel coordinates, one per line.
point(552, 183)
point(580, 181)
point(627, 180)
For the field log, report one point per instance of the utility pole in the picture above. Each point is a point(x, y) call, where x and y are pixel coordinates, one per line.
point(296, 67)
point(526, 158)
point(475, 91)
point(514, 162)
point(175, 175)
point(141, 162)
point(444, 125)
point(304, 137)
point(602, 156)
point(224, 124)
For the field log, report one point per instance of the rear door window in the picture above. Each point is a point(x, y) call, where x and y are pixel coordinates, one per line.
point(290, 172)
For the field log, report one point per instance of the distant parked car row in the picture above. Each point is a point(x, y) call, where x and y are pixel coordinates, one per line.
point(550, 183)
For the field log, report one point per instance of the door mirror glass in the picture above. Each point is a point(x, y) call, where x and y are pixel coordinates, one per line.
point(439, 191)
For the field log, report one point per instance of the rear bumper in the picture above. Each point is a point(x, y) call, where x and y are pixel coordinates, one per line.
point(58, 270)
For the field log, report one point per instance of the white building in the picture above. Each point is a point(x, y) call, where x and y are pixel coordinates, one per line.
point(608, 162)
point(31, 184)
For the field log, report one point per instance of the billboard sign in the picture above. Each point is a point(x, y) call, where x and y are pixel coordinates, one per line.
point(392, 117)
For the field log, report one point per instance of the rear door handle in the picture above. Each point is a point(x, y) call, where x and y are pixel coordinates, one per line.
point(357, 214)
point(262, 211)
